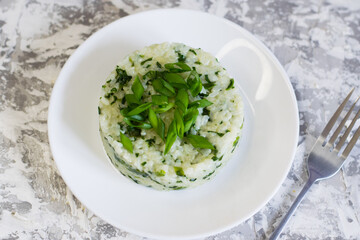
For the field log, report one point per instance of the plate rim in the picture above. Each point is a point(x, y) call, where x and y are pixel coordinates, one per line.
point(264, 49)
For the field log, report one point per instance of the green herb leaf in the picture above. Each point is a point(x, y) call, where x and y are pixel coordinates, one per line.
point(209, 86)
point(193, 51)
point(153, 118)
point(181, 57)
point(132, 99)
point(200, 103)
point(199, 142)
point(99, 110)
point(139, 109)
point(137, 124)
point(179, 171)
point(158, 65)
point(164, 108)
point(171, 137)
point(161, 129)
point(182, 100)
point(177, 67)
point(143, 62)
point(137, 88)
point(126, 142)
point(160, 173)
point(190, 118)
point(159, 99)
point(194, 83)
point(179, 123)
point(231, 84)
point(160, 88)
point(137, 118)
point(175, 80)
point(121, 76)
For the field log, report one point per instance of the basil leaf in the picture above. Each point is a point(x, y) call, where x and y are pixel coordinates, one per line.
point(231, 84)
point(177, 67)
point(179, 123)
point(182, 100)
point(200, 103)
point(175, 80)
point(138, 124)
point(137, 88)
point(194, 83)
point(159, 99)
point(153, 118)
point(164, 108)
point(139, 109)
point(126, 142)
point(132, 99)
point(171, 137)
point(190, 118)
point(199, 142)
point(159, 87)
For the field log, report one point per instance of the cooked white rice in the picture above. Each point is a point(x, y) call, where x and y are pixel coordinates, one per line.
point(184, 165)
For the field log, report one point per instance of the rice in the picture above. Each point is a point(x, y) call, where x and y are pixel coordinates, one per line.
point(138, 150)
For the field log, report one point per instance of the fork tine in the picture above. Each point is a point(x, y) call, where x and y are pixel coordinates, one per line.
point(341, 125)
point(347, 132)
point(351, 143)
point(333, 119)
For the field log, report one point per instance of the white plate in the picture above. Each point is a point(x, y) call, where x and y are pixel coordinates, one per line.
point(243, 186)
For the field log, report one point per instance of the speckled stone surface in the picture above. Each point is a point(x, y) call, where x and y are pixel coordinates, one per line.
point(318, 43)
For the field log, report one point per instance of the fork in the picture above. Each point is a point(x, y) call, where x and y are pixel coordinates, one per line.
point(325, 158)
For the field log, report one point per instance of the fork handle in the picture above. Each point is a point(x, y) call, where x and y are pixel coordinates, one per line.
point(292, 209)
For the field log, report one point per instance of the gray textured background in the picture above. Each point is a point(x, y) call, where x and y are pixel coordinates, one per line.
point(318, 43)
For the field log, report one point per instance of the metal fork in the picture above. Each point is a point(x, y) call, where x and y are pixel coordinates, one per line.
point(325, 159)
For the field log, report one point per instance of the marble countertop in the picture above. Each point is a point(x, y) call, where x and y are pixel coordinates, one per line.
point(317, 42)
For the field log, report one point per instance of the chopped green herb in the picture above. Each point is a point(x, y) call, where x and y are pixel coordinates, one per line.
point(175, 80)
point(143, 163)
point(182, 100)
point(150, 141)
point(139, 109)
point(177, 67)
point(200, 103)
point(164, 108)
point(199, 142)
point(113, 90)
point(215, 158)
point(171, 137)
point(131, 61)
point(179, 171)
point(137, 88)
point(159, 99)
point(137, 124)
point(208, 175)
point(194, 83)
point(181, 58)
point(235, 143)
point(209, 86)
point(99, 110)
point(158, 65)
point(231, 84)
point(158, 85)
point(205, 112)
point(179, 123)
point(132, 99)
point(160, 173)
point(197, 62)
point(115, 98)
point(190, 118)
point(220, 134)
point(126, 142)
point(217, 73)
point(193, 51)
point(192, 179)
point(121, 76)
